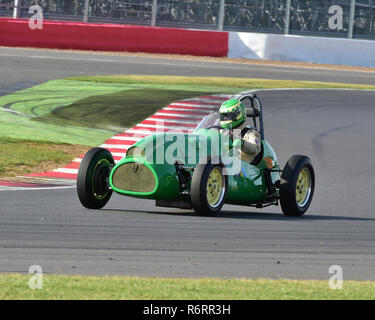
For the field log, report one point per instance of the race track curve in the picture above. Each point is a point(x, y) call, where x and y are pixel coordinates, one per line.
point(335, 129)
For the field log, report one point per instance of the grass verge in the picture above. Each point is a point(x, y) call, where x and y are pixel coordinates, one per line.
point(20, 157)
point(226, 83)
point(54, 101)
point(128, 288)
point(116, 111)
point(89, 110)
point(85, 111)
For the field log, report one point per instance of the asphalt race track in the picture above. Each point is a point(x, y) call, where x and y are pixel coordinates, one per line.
point(22, 68)
point(335, 129)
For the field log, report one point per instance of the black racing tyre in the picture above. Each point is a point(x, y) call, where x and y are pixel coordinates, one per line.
point(92, 180)
point(297, 186)
point(209, 187)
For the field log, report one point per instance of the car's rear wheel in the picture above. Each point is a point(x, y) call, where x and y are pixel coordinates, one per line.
point(93, 178)
point(208, 189)
point(297, 186)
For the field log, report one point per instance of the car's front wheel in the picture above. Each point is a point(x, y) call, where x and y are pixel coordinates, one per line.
point(93, 178)
point(297, 186)
point(209, 187)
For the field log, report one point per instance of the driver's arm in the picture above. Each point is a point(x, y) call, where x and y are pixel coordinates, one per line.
point(250, 143)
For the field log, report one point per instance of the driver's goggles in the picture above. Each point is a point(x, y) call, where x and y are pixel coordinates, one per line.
point(230, 115)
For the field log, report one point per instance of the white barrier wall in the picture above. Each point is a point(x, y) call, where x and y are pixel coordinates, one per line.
point(302, 48)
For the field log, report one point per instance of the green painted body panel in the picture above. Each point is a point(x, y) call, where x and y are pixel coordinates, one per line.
point(247, 187)
point(167, 184)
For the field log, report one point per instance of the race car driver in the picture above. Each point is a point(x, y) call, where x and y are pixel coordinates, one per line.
point(246, 139)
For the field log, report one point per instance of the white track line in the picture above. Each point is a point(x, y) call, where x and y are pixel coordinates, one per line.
point(139, 131)
point(115, 154)
point(169, 127)
point(198, 106)
point(64, 170)
point(162, 124)
point(116, 146)
point(125, 138)
point(202, 112)
point(161, 120)
point(178, 115)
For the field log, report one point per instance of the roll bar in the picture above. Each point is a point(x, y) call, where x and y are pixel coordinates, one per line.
point(254, 109)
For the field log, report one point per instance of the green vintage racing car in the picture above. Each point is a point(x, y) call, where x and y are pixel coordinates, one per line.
point(200, 171)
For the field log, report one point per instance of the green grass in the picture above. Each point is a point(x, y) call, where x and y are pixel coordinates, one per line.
point(116, 111)
point(46, 102)
point(88, 110)
point(77, 288)
point(85, 111)
point(42, 99)
point(20, 157)
point(226, 83)
point(82, 110)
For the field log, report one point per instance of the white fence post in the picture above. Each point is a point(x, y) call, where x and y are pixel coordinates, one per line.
point(287, 16)
point(17, 9)
point(221, 15)
point(154, 12)
point(86, 11)
point(351, 19)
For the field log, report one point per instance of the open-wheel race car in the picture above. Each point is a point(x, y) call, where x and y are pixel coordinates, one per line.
point(199, 170)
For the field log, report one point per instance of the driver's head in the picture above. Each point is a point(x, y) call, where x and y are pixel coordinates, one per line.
point(232, 114)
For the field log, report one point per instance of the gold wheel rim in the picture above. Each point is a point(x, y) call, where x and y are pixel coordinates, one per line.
point(303, 187)
point(215, 187)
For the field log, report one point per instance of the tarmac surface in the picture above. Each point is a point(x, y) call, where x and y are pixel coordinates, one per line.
point(21, 68)
point(336, 129)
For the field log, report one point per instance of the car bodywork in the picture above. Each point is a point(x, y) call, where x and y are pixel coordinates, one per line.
point(145, 171)
point(202, 170)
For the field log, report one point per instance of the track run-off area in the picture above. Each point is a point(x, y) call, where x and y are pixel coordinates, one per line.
point(335, 128)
